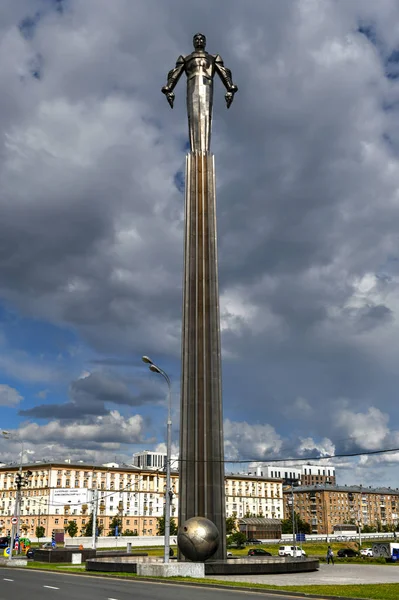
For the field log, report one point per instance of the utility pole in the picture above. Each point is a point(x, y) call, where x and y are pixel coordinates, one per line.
point(94, 513)
point(293, 520)
point(20, 481)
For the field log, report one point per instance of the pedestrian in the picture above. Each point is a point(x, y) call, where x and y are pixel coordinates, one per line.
point(330, 555)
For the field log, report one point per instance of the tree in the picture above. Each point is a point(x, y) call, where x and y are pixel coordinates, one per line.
point(71, 528)
point(231, 525)
point(40, 531)
point(237, 539)
point(300, 525)
point(129, 532)
point(368, 529)
point(161, 526)
point(115, 523)
point(87, 530)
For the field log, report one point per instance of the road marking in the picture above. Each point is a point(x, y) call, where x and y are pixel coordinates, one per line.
point(7, 579)
point(51, 587)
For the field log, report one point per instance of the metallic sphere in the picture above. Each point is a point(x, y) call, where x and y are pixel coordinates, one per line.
point(198, 539)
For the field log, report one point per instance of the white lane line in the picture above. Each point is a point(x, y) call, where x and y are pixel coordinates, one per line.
point(7, 579)
point(112, 598)
point(51, 587)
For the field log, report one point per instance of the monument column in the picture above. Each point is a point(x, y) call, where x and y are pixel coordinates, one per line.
point(201, 467)
point(201, 464)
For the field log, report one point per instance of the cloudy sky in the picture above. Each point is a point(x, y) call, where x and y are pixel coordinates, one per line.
point(91, 228)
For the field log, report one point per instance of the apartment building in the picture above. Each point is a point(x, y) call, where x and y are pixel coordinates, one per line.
point(294, 474)
point(326, 506)
point(57, 493)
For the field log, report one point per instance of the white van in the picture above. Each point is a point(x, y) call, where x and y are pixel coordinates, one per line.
point(289, 551)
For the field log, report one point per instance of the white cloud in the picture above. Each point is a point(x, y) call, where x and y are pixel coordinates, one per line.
point(368, 430)
point(244, 440)
point(9, 396)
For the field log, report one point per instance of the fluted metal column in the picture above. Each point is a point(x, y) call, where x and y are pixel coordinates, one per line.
point(201, 477)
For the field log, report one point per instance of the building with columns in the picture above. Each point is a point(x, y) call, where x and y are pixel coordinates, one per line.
point(57, 493)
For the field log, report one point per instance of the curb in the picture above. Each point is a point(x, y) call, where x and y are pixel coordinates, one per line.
point(160, 580)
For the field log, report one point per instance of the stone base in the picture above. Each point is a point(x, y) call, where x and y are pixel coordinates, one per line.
point(172, 569)
point(15, 562)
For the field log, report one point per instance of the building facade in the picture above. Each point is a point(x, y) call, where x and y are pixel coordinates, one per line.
point(325, 507)
point(300, 474)
point(57, 493)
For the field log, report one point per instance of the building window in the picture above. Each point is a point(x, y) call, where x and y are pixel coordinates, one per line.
point(56, 521)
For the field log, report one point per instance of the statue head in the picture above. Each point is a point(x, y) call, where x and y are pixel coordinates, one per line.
point(199, 41)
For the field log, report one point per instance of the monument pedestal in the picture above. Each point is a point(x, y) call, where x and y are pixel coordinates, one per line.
point(171, 569)
point(201, 468)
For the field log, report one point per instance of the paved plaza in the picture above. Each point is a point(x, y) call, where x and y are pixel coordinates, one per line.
point(327, 574)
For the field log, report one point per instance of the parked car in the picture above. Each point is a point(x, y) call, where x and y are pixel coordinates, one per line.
point(30, 553)
point(347, 552)
point(258, 552)
point(253, 541)
point(289, 551)
point(4, 541)
point(47, 546)
point(366, 552)
point(229, 554)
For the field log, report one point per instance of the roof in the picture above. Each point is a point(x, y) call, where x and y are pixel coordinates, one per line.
point(348, 489)
point(259, 521)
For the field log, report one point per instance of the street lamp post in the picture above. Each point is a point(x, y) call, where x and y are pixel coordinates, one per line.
point(155, 369)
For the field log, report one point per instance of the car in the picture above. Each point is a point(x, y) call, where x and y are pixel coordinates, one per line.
point(289, 551)
point(47, 546)
point(253, 541)
point(258, 552)
point(347, 553)
point(229, 554)
point(30, 553)
point(366, 552)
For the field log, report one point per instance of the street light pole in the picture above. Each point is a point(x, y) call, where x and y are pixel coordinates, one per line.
point(153, 367)
point(17, 506)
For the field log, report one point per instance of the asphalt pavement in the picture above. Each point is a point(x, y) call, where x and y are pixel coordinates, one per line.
point(20, 584)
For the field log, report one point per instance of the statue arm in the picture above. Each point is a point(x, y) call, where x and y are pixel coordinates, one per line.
point(173, 77)
point(226, 77)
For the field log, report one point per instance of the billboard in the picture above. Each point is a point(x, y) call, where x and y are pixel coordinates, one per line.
point(72, 496)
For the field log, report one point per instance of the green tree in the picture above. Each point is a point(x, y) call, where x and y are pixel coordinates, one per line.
point(115, 523)
point(40, 531)
point(300, 525)
point(71, 528)
point(161, 526)
point(87, 530)
point(369, 528)
point(237, 539)
point(231, 524)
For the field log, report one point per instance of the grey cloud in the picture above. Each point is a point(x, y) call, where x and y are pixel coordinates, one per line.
point(91, 394)
point(91, 230)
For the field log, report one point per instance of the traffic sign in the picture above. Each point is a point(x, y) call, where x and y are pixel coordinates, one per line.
point(14, 520)
point(7, 551)
point(300, 537)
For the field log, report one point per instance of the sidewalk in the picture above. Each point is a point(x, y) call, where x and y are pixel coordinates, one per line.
point(327, 574)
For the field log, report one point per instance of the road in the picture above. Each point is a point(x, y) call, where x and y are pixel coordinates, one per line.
point(20, 584)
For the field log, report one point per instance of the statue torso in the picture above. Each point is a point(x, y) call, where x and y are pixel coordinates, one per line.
point(199, 63)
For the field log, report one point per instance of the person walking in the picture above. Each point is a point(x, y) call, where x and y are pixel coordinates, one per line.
point(330, 555)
